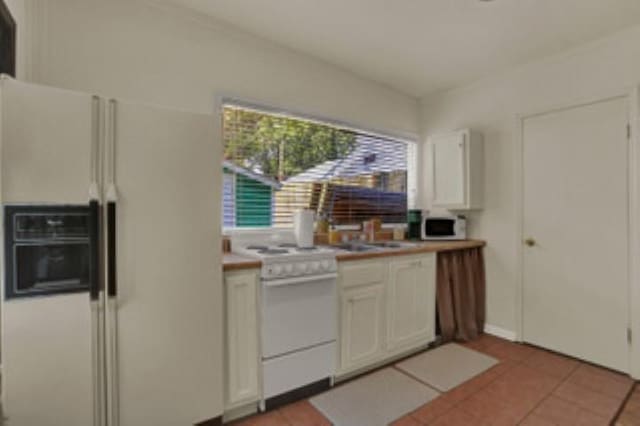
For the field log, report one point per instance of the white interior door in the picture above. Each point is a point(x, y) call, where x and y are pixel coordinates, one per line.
point(170, 320)
point(576, 283)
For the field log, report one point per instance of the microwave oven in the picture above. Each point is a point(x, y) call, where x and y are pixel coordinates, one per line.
point(444, 227)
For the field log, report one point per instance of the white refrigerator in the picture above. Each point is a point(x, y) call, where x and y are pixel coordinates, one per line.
point(144, 345)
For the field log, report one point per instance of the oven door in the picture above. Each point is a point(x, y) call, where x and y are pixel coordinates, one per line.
point(298, 315)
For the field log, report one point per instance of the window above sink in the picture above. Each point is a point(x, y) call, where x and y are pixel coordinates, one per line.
point(277, 163)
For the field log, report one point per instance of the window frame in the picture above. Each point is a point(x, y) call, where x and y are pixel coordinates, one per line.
point(412, 140)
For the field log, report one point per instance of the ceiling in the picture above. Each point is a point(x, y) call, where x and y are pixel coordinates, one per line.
point(421, 46)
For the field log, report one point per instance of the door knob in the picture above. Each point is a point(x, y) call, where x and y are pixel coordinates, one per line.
point(530, 242)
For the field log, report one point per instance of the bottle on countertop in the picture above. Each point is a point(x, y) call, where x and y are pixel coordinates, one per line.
point(398, 233)
point(334, 234)
point(414, 224)
point(322, 225)
point(368, 228)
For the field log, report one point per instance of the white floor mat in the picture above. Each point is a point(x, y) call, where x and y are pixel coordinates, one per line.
point(447, 366)
point(373, 400)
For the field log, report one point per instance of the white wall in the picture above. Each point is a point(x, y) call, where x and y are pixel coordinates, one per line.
point(135, 50)
point(141, 51)
point(491, 106)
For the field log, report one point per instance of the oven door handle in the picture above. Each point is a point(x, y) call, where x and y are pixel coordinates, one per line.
point(299, 280)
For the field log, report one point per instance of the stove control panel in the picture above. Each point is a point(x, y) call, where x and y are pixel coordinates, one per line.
point(299, 268)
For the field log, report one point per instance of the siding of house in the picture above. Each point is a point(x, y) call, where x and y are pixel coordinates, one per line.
point(228, 200)
point(253, 203)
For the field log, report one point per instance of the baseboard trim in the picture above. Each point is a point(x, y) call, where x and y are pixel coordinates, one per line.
point(303, 392)
point(240, 412)
point(214, 421)
point(344, 376)
point(500, 332)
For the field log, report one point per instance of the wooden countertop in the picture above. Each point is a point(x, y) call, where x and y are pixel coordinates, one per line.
point(421, 247)
point(233, 261)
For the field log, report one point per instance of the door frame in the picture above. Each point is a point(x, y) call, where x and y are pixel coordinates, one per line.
point(632, 95)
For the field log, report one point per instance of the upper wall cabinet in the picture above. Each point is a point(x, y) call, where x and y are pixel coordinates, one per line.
point(457, 160)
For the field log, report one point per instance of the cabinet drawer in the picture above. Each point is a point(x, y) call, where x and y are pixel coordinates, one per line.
point(358, 274)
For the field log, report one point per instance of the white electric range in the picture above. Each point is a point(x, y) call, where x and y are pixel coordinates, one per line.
point(298, 313)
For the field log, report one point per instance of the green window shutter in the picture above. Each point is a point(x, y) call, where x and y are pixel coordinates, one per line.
point(253, 203)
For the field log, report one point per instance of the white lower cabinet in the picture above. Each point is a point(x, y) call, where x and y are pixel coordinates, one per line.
point(362, 334)
point(411, 302)
point(242, 356)
point(387, 308)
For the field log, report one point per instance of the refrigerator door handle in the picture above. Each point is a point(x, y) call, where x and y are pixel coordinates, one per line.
point(96, 288)
point(96, 295)
point(112, 272)
point(94, 199)
point(112, 316)
point(111, 200)
point(99, 373)
point(94, 238)
point(113, 400)
point(112, 278)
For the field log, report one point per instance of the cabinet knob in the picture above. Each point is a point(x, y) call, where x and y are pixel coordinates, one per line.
point(530, 242)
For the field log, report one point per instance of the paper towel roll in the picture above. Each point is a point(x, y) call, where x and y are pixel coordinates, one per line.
point(303, 227)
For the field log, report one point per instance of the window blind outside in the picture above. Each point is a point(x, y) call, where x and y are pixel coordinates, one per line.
point(343, 175)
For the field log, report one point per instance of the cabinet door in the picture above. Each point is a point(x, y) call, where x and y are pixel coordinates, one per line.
point(411, 302)
point(242, 339)
point(449, 166)
point(362, 314)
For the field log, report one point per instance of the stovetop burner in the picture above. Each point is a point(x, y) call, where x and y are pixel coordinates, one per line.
point(256, 247)
point(288, 245)
point(273, 251)
point(307, 248)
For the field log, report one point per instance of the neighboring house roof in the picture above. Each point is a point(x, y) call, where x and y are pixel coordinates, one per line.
point(369, 156)
point(252, 175)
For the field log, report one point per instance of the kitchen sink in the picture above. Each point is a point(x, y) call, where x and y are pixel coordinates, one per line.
point(392, 245)
point(356, 247)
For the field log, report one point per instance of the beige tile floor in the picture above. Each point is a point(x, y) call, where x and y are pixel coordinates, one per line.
point(529, 386)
